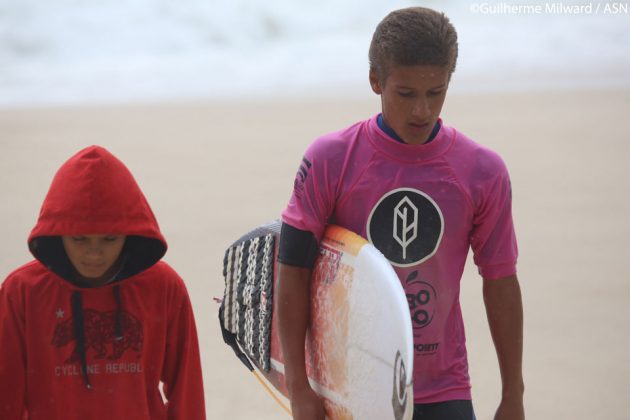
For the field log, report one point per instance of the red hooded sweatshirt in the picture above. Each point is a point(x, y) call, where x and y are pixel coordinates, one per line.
point(71, 352)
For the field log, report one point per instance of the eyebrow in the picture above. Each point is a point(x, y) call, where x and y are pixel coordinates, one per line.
point(442, 86)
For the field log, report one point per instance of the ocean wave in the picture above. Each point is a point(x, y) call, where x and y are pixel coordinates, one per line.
point(75, 51)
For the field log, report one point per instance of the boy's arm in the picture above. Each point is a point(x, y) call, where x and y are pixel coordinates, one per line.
point(181, 374)
point(504, 307)
point(12, 355)
point(293, 300)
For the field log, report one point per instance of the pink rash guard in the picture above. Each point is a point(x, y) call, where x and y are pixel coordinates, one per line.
point(422, 206)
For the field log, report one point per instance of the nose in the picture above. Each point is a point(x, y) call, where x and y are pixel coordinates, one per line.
point(421, 109)
point(93, 249)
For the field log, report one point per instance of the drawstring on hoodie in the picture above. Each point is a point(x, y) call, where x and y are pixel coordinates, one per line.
point(79, 328)
point(79, 332)
point(118, 316)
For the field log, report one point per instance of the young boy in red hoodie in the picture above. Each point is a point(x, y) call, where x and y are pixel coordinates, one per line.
point(91, 328)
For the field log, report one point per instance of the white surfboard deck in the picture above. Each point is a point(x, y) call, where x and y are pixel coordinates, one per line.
point(359, 346)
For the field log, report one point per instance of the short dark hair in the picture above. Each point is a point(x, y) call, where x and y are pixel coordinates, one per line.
point(413, 36)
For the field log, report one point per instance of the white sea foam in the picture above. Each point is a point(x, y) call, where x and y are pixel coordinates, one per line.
point(85, 51)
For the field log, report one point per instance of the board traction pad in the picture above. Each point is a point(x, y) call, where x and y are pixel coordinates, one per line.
point(248, 297)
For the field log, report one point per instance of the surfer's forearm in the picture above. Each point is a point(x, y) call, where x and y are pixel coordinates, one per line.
point(504, 308)
point(293, 300)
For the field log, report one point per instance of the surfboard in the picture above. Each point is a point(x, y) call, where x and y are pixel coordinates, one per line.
point(359, 345)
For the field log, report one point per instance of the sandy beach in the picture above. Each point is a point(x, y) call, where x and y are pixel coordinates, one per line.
point(211, 171)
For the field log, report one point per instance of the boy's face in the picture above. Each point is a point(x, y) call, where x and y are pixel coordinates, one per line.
point(412, 99)
point(93, 256)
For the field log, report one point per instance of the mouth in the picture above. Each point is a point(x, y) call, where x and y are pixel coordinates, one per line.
point(419, 126)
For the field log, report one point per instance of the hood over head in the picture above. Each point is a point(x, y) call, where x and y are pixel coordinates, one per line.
point(94, 193)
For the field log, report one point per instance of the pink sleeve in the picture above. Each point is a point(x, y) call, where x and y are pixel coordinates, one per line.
point(493, 239)
point(313, 199)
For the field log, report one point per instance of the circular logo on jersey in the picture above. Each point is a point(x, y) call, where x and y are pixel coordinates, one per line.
point(406, 225)
point(422, 300)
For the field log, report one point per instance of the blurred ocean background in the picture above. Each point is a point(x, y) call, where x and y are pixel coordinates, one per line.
point(115, 51)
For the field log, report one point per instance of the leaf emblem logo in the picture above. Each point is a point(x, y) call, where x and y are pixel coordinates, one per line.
point(405, 224)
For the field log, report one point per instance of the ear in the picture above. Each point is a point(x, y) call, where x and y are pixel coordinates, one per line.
point(375, 83)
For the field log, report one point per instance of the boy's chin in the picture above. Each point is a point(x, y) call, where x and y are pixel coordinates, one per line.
point(91, 274)
point(94, 276)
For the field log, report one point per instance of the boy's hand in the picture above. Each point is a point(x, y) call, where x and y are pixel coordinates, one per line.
point(307, 405)
point(510, 410)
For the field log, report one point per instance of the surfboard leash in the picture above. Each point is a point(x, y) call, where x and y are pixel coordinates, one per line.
point(230, 339)
point(270, 392)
